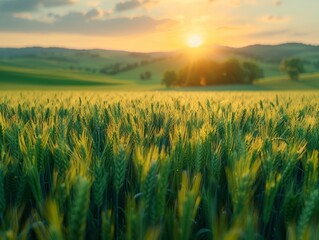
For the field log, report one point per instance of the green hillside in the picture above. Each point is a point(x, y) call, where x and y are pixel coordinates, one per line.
point(274, 53)
point(307, 82)
point(58, 67)
point(43, 77)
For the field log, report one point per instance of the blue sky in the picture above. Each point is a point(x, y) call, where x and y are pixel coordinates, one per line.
point(151, 25)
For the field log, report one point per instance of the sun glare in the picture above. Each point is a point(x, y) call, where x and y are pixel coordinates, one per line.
point(195, 41)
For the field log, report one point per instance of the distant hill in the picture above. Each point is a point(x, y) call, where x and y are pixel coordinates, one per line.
point(266, 53)
point(51, 51)
point(275, 53)
point(122, 67)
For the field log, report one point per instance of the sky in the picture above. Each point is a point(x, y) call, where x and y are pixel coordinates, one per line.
point(155, 25)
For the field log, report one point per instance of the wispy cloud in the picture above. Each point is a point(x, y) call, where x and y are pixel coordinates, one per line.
point(127, 5)
point(90, 22)
point(132, 4)
point(31, 5)
point(93, 3)
point(270, 33)
point(274, 19)
point(229, 22)
point(278, 33)
point(22, 15)
point(227, 28)
point(96, 13)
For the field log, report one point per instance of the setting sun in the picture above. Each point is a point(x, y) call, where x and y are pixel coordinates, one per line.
point(195, 41)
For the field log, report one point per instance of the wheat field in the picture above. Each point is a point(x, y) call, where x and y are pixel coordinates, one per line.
point(195, 165)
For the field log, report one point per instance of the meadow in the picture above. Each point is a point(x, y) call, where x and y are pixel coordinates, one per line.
point(59, 68)
point(170, 165)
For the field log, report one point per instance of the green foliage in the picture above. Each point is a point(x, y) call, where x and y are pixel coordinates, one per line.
point(307, 213)
point(120, 164)
point(149, 193)
point(79, 209)
point(170, 78)
point(99, 185)
point(159, 165)
point(252, 71)
point(293, 67)
point(206, 72)
point(146, 75)
point(2, 193)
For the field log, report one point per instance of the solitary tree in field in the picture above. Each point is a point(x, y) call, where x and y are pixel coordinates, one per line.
point(146, 75)
point(293, 67)
point(170, 78)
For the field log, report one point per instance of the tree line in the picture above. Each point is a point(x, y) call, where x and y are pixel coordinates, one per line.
point(208, 72)
point(232, 71)
point(121, 67)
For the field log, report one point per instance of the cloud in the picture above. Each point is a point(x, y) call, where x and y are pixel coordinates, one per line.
point(18, 6)
point(274, 19)
point(270, 33)
point(280, 33)
point(203, 19)
point(127, 5)
point(131, 4)
point(89, 23)
point(227, 28)
point(53, 3)
point(299, 34)
point(23, 15)
point(93, 3)
point(236, 3)
point(30, 5)
point(96, 13)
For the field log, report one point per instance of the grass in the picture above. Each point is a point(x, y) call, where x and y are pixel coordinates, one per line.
point(52, 68)
point(309, 82)
point(188, 165)
point(306, 82)
point(19, 78)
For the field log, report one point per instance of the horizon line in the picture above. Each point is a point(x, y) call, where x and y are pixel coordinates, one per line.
point(157, 51)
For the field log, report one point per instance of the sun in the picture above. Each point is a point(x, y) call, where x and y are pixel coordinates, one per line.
point(195, 41)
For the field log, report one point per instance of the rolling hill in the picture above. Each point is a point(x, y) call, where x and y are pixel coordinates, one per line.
point(111, 69)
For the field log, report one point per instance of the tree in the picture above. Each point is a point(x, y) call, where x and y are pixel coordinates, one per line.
point(293, 67)
point(200, 73)
point(206, 72)
point(232, 72)
point(252, 71)
point(142, 77)
point(146, 75)
point(170, 78)
point(215, 75)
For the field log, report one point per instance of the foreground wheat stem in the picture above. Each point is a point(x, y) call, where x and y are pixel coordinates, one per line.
point(120, 169)
point(79, 210)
